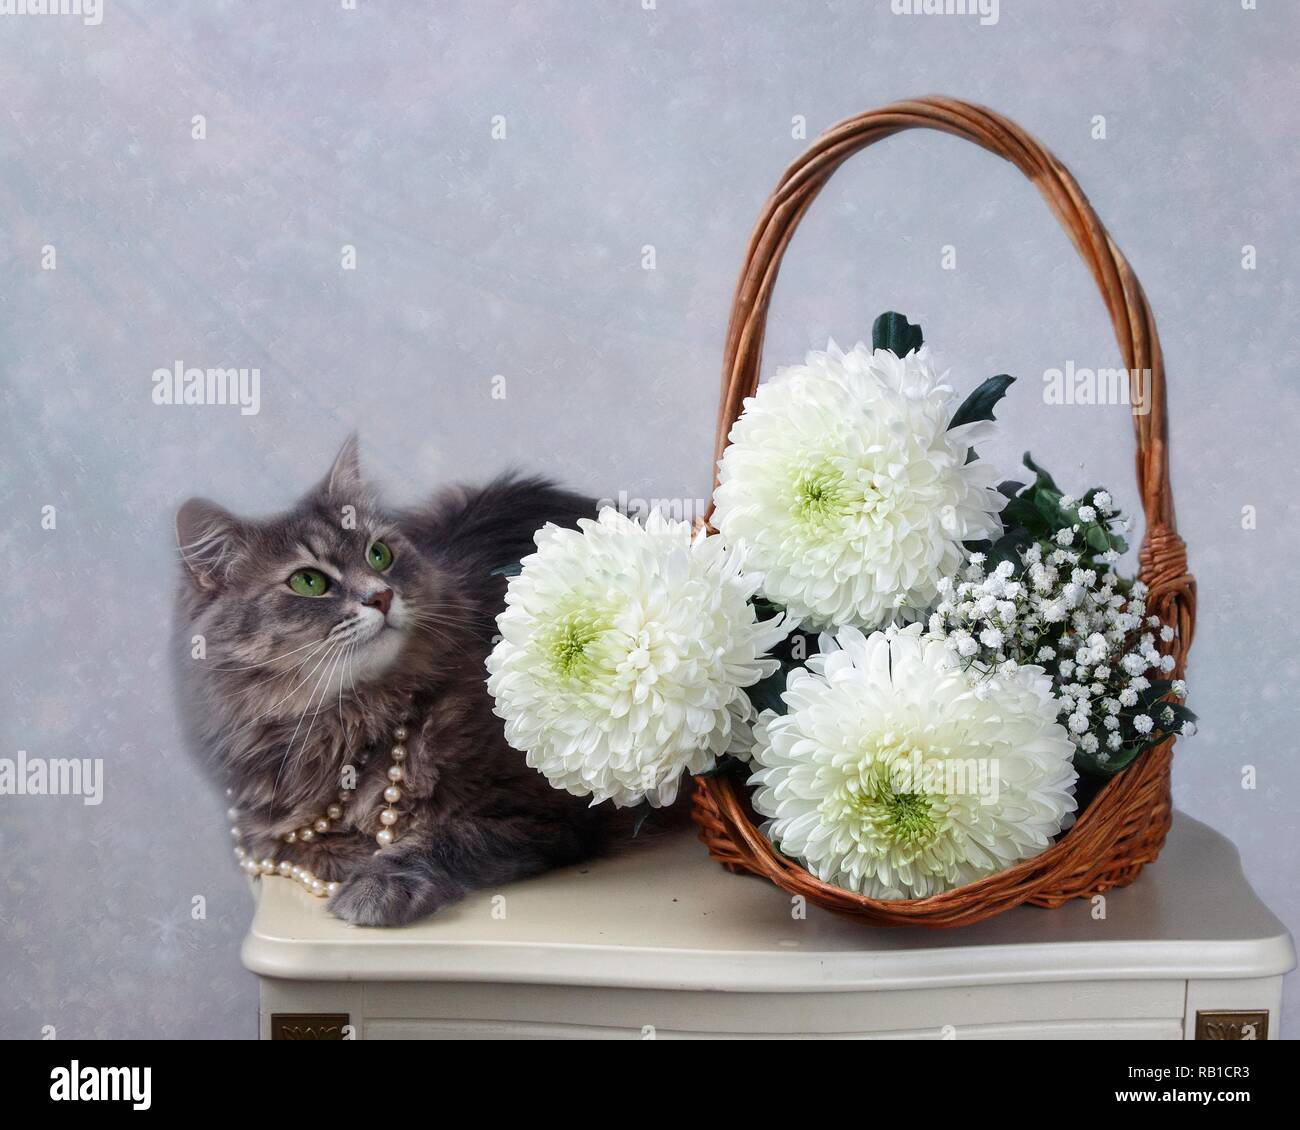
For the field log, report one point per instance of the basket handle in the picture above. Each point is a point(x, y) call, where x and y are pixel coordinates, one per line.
point(1163, 556)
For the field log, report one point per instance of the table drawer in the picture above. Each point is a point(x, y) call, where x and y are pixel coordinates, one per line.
point(422, 1010)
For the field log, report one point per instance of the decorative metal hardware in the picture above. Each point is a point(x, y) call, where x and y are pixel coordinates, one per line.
point(1231, 1025)
point(308, 1025)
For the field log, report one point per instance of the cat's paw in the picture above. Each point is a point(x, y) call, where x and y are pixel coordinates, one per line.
point(390, 891)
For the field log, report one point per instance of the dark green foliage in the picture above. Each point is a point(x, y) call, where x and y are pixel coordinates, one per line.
point(979, 404)
point(894, 332)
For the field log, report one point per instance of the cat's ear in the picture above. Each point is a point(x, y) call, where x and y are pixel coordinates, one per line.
point(344, 480)
point(207, 537)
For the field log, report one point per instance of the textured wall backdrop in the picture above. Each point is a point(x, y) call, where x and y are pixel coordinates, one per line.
point(523, 257)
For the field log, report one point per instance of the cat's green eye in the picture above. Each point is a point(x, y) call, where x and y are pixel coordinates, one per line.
point(380, 556)
point(309, 582)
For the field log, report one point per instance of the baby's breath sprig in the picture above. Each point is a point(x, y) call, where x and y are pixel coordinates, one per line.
point(1047, 594)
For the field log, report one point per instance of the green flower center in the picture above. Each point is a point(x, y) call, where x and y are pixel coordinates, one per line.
point(876, 811)
point(568, 646)
point(819, 494)
point(825, 498)
point(908, 820)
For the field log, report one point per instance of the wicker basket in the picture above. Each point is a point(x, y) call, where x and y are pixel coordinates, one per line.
point(1125, 825)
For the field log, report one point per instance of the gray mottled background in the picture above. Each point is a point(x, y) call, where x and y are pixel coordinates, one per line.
point(522, 257)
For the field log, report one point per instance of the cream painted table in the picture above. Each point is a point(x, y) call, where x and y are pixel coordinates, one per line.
point(662, 942)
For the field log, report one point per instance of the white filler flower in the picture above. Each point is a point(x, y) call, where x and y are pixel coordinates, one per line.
point(899, 773)
point(623, 653)
point(848, 488)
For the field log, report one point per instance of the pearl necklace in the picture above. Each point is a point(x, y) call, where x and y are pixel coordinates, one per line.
point(327, 821)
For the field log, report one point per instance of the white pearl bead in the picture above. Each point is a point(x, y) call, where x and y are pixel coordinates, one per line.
point(332, 889)
point(295, 870)
point(232, 814)
point(235, 834)
point(399, 753)
point(240, 852)
point(385, 836)
point(268, 866)
point(250, 866)
point(285, 868)
point(334, 811)
point(388, 817)
point(306, 835)
point(396, 773)
point(317, 887)
point(392, 794)
point(306, 877)
point(322, 825)
point(400, 734)
point(291, 837)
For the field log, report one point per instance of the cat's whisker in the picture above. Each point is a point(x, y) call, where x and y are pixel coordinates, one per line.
point(430, 616)
point(283, 674)
point(347, 670)
point(343, 627)
point(285, 757)
point(276, 784)
point(273, 659)
point(451, 636)
point(327, 679)
point(434, 617)
point(279, 702)
point(446, 640)
point(351, 637)
point(291, 670)
point(452, 618)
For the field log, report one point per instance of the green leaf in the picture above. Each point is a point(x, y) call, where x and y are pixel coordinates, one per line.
point(1126, 755)
point(1008, 548)
point(511, 570)
point(765, 609)
point(1156, 691)
point(766, 693)
point(894, 332)
point(1048, 503)
point(1037, 508)
point(1182, 716)
point(979, 404)
point(1044, 479)
point(1152, 701)
point(1021, 512)
point(1118, 759)
point(1097, 538)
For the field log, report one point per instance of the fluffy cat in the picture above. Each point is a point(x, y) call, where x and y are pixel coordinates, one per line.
point(323, 628)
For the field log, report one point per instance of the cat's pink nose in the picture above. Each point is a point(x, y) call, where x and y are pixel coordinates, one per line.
point(381, 599)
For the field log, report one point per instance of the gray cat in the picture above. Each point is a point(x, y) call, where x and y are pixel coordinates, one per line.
point(340, 630)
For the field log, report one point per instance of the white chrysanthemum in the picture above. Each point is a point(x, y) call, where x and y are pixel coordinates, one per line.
point(623, 652)
point(898, 774)
point(852, 494)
